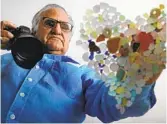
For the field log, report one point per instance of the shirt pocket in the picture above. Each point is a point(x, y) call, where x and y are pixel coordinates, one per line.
point(50, 81)
point(72, 85)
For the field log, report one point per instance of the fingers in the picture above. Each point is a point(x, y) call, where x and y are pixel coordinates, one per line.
point(4, 40)
point(153, 79)
point(6, 35)
point(5, 24)
point(156, 76)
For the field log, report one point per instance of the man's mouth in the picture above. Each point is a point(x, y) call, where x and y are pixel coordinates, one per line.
point(55, 38)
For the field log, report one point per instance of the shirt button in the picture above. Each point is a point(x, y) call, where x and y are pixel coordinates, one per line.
point(12, 116)
point(22, 94)
point(30, 79)
point(37, 66)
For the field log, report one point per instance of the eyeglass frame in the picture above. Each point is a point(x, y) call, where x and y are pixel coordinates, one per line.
point(56, 22)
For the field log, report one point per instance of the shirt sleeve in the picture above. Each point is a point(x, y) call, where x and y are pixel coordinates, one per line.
point(6, 59)
point(105, 107)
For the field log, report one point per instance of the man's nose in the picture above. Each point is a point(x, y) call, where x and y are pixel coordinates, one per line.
point(57, 28)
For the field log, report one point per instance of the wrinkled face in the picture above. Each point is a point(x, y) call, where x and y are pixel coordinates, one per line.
point(53, 30)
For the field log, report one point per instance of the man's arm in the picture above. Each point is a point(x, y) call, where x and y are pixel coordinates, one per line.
point(106, 107)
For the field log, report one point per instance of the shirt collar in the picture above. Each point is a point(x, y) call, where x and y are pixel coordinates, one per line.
point(60, 58)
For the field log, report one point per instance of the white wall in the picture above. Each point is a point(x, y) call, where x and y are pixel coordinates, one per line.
point(21, 12)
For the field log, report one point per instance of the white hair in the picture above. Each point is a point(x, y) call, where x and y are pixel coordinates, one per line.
point(36, 18)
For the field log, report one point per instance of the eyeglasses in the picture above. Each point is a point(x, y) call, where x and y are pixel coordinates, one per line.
point(50, 23)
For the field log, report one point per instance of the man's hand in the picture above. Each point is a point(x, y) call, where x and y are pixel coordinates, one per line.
point(155, 76)
point(6, 35)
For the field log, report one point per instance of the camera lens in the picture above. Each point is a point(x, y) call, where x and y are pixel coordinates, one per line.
point(27, 51)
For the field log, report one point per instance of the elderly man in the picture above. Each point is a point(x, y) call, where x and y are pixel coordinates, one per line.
point(56, 89)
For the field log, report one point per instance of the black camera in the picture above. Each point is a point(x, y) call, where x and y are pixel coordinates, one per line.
point(25, 48)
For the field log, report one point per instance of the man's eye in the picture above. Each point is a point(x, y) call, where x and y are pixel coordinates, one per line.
point(66, 26)
point(49, 23)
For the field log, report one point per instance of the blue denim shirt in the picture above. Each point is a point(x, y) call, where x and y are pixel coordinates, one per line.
point(57, 90)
